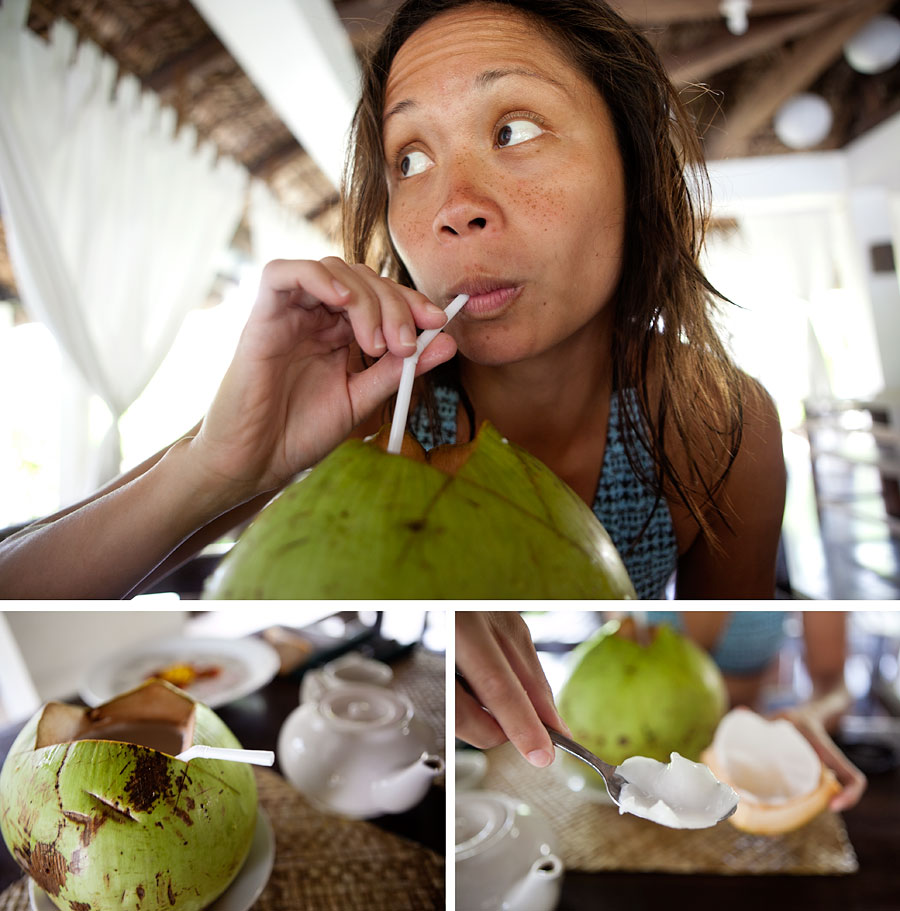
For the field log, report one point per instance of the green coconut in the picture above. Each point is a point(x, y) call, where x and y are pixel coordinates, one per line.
point(626, 698)
point(480, 520)
point(99, 819)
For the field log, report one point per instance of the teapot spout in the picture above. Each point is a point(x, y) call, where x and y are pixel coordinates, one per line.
point(405, 788)
point(539, 889)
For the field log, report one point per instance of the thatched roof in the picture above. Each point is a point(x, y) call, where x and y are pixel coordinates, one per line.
point(792, 45)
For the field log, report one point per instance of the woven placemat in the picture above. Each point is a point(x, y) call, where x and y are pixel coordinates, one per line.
point(593, 836)
point(326, 863)
point(420, 677)
point(15, 898)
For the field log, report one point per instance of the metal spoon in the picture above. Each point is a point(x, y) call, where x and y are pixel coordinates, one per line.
point(611, 778)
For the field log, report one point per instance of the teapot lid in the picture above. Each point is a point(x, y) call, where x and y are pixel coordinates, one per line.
point(363, 708)
point(482, 817)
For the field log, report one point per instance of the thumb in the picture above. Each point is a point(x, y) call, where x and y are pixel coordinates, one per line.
point(373, 385)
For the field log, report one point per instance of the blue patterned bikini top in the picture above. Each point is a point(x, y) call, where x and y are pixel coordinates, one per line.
point(748, 643)
point(623, 501)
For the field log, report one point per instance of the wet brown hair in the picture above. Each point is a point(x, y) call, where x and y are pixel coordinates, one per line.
point(663, 304)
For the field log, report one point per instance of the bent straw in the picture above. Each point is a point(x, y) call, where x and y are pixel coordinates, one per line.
point(202, 751)
point(398, 424)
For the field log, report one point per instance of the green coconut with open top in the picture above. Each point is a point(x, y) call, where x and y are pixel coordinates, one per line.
point(97, 810)
point(479, 520)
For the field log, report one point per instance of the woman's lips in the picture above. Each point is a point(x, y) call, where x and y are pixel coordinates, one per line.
point(489, 303)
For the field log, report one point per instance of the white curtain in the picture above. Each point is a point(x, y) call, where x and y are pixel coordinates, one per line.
point(276, 233)
point(114, 220)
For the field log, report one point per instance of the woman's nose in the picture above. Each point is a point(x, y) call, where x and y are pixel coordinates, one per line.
point(466, 212)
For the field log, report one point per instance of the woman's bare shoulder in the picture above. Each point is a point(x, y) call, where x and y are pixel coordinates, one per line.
point(735, 556)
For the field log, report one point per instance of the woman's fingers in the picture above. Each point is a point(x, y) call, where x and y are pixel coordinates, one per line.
point(525, 663)
point(400, 310)
point(383, 314)
point(475, 725)
point(369, 388)
point(850, 777)
point(495, 684)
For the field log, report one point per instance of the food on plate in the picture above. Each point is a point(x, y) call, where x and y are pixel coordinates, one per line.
point(480, 520)
point(97, 810)
point(183, 673)
point(781, 782)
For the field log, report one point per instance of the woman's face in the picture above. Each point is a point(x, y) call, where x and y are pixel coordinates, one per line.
point(505, 182)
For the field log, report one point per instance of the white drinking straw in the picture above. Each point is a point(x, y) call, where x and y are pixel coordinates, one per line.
point(202, 751)
point(398, 425)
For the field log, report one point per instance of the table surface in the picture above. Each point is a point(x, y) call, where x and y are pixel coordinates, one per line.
point(873, 826)
point(256, 720)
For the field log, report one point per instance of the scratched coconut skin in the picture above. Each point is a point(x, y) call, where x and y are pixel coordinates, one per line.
point(101, 825)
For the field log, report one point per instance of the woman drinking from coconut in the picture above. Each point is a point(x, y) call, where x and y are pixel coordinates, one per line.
point(531, 155)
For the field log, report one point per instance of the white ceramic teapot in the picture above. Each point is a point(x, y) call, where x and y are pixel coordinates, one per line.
point(358, 751)
point(347, 670)
point(505, 856)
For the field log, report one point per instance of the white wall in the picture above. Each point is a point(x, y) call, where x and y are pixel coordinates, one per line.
point(60, 647)
point(855, 192)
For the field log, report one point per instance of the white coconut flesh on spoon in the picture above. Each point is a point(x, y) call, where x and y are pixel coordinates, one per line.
point(679, 794)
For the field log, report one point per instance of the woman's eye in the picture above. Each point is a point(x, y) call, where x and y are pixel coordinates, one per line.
point(517, 131)
point(413, 163)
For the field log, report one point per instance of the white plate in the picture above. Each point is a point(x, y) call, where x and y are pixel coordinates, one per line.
point(246, 665)
point(239, 896)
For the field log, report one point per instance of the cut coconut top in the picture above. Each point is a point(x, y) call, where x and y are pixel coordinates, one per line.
point(766, 761)
point(154, 710)
point(679, 794)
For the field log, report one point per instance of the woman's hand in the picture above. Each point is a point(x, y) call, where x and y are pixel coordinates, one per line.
point(290, 394)
point(848, 775)
point(495, 655)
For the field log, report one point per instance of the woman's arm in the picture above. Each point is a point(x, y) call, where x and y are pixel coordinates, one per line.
point(739, 562)
point(825, 637)
point(287, 399)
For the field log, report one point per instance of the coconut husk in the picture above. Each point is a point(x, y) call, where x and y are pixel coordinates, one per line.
point(327, 862)
point(593, 836)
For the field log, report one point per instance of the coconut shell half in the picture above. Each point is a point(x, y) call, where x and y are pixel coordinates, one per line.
point(781, 782)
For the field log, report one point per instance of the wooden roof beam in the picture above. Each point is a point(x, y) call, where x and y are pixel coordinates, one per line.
point(797, 71)
point(667, 12)
point(184, 64)
point(276, 158)
point(699, 63)
point(305, 67)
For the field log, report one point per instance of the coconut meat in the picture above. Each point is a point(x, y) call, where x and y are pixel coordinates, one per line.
point(679, 794)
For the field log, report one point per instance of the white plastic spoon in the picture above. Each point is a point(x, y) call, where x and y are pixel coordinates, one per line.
point(202, 751)
point(398, 424)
